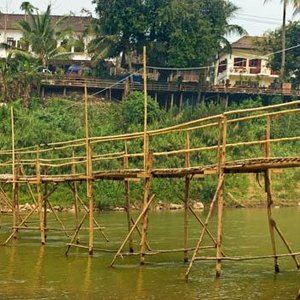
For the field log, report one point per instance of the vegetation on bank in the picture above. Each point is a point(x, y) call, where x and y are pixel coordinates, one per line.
point(59, 119)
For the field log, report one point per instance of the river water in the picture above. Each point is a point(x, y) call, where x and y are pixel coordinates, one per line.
point(31, 271)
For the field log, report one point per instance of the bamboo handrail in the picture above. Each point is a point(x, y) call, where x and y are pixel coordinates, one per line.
point(109, 156)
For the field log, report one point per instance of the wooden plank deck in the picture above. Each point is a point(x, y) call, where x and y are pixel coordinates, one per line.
point(255, 165)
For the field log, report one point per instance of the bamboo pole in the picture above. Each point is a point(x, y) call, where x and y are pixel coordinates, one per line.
point(45, 198)
point(147, 189)
point(268, 191)
point(222, 158)
point(40, 199)
point(89, 174)
point(244, 258)
point(206, 229)
point(127, 198)
point(19, 226)
point(131, 231)
point(147, 165)
point(87, 210)
point(15, 186)
point(76, 234)
point(287, 245)
point(76, 198)
point(139, 233)
point(211, 207)
point(186, 198)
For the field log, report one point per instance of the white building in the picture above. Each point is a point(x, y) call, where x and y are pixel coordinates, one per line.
point(245, 66)
point(11, 34)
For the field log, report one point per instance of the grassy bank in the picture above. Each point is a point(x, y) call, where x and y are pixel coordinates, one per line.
point(58, 119)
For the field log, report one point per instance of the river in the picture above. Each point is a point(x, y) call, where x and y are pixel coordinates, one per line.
point(31, 271)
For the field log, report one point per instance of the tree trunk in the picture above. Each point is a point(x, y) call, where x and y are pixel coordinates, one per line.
point(282, 69)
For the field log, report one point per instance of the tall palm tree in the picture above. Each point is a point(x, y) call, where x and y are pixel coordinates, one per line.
point(42, 34)
point(285, 3)
point(27, 7)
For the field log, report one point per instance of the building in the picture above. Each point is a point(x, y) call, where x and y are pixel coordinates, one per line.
point(11, 34)
point(245, 66)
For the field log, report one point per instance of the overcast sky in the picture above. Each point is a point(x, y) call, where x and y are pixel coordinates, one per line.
point(253, 15)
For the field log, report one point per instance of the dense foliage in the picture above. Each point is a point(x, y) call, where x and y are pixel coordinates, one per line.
point(177, 33)
point(292, 63)
point(57, 120)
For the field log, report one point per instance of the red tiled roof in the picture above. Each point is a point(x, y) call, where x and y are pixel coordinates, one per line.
point(78, 24)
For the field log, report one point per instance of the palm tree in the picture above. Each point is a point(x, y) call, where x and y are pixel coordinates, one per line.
point(43, 35)
point(102, 45)
point(27, 7)
point(296, 4)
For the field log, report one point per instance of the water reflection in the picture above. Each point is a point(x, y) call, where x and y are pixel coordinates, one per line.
point(31, 271)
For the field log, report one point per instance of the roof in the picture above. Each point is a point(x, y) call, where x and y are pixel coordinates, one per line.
point(78, 24)
point(248, 42)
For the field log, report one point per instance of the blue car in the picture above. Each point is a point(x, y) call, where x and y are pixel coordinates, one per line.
point(75, 69)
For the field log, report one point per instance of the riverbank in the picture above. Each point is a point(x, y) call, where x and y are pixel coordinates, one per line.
point(160, 206)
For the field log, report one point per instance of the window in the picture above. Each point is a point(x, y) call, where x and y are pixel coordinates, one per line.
point(11, 41)
point(240, 62)
point(222, 66)
point(255, 66)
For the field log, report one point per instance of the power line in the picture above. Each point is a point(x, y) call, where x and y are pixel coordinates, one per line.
point(258, 21)
point(260, 17)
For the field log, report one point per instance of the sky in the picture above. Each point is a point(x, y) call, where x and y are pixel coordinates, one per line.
point(255, 16)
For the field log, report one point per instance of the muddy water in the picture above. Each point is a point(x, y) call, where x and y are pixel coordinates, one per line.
point(30, 271)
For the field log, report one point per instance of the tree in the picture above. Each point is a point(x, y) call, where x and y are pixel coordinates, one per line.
point(120, 28)
point(296, 4)
point(43, 35)
point(177, 33)
point(292, 62)
point(27, 7)
point(18, 74)
point(191, 32)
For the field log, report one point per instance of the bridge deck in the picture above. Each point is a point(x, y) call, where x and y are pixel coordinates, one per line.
point(239, 166)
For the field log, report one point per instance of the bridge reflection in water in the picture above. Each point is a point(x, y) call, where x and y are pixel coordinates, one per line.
point(140, 158)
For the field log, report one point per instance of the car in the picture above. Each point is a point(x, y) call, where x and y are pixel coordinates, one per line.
point(75, 69)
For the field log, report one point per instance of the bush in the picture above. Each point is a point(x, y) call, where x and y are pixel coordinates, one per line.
point(133, 110)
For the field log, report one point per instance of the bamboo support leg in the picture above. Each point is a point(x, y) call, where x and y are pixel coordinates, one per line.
point(270, 219)
point(130, 241)
point(76, 233)
point(57, 218)
point(140, 233)
point(132, 228)
point(45, 198)
point(75, 193)
point(5, 198)
point(186, 207)
point(204, 229)
point(220, 231)
point(145, 225)
point(76, 209)
point(221, 162)
point(15, 196)
point(21, 224)
point(41, 214)
point(95, 221)
point(91, 215)
point(287, 245)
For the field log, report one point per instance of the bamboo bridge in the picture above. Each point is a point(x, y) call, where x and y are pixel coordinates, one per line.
point(139, 158)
